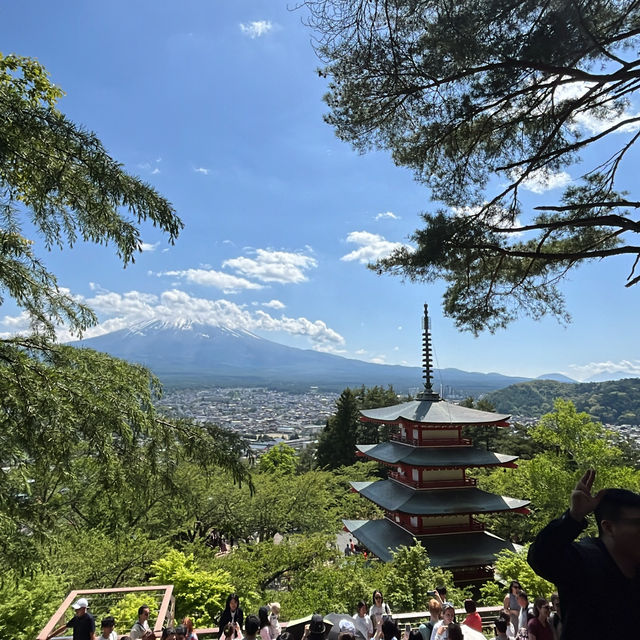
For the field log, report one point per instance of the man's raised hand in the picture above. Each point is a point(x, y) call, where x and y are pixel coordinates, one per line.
point(582, 502)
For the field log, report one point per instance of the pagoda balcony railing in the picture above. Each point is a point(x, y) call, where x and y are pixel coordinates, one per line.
point(432, 484)
point(431, 442)
point(436, 530)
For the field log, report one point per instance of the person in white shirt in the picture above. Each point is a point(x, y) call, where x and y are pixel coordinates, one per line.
point(362, 622)
point(140, 629)
point(441, 628)
point(107, 626)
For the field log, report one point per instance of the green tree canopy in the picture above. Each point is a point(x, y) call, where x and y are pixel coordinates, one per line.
point(337, 442)
point(572, 443)
point(480, 98)
point(79, 429)
point(59, 177)
point(280, 459)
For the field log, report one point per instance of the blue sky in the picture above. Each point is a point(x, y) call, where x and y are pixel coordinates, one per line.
point(218, 105)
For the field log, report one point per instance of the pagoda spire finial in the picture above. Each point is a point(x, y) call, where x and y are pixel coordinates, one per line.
point(428, 393)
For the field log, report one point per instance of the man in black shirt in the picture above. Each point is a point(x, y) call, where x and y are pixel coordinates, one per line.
point(82, 623)
point(583, 571)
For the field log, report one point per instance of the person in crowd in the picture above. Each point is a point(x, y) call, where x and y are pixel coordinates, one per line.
point(107, 629)
point(555, 619)
point(525, 613)
point(441, 628)
point(228, 632)
point(362, 622)
point(82, 623)
point(390, 629)
point(414, 634)
point(251, 627)
point(511, 605)
point(181, 632)
point(347, 630)
point(473, 618)
point(501, 629)
point(316, 629)
point(583, 571)
point(379, 607)
point(265, 624)
point(455, 631)
point(188, 623)
point(435, 610)
point(168, 633)
point(539, 627)
point(511, 632)
point(232, 614)
point(141, 629)
point(274, 622)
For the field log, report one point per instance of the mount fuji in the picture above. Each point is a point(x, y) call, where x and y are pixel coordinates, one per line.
point(185, 353)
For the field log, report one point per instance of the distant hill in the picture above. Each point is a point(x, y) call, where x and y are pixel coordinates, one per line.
point(188, 354)
point(558, 377)
point(613, 402)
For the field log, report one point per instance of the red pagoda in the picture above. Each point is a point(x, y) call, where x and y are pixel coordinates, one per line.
point(428, 495)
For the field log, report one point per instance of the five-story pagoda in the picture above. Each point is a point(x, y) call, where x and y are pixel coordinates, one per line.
point(428, 495)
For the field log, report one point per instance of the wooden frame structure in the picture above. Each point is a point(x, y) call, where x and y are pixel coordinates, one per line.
point(165, 611)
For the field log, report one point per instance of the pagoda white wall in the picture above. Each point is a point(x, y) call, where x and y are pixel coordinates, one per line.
point(439, 434)
point(442, 474)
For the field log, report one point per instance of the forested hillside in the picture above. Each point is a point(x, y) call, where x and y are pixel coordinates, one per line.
point(612, 402)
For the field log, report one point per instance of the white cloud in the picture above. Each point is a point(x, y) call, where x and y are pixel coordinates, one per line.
point(387, 215)
point(256, 28)
point(155, 171)
point(226, 282)
point(595, 122)
point(134, 306)
point(145, 246)
point(372, 247)
point(202, 170)
point(494, 217)
point(274, 304)
point(585, 371)
point(541, 181)
point(273, 266)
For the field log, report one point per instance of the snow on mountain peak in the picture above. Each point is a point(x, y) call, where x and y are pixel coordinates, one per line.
point(202, 329)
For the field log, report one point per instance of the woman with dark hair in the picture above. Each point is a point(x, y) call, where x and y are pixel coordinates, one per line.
point(511, 605)
point(232, 615)
point(265, 623)
point(539, 627)
point(362, 622)
point(390, 629)
point(455, 632)
point(379, 607)
point(441, 628)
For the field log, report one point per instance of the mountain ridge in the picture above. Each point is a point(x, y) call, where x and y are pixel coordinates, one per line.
point(188, 353)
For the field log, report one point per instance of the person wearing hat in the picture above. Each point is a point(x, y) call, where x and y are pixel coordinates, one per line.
point(82, 623)
point(316, 629)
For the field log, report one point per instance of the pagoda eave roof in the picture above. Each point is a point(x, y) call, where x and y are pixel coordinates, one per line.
point(449, 551)
point(394, 496)
point(434, 457)
point(432, 412)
